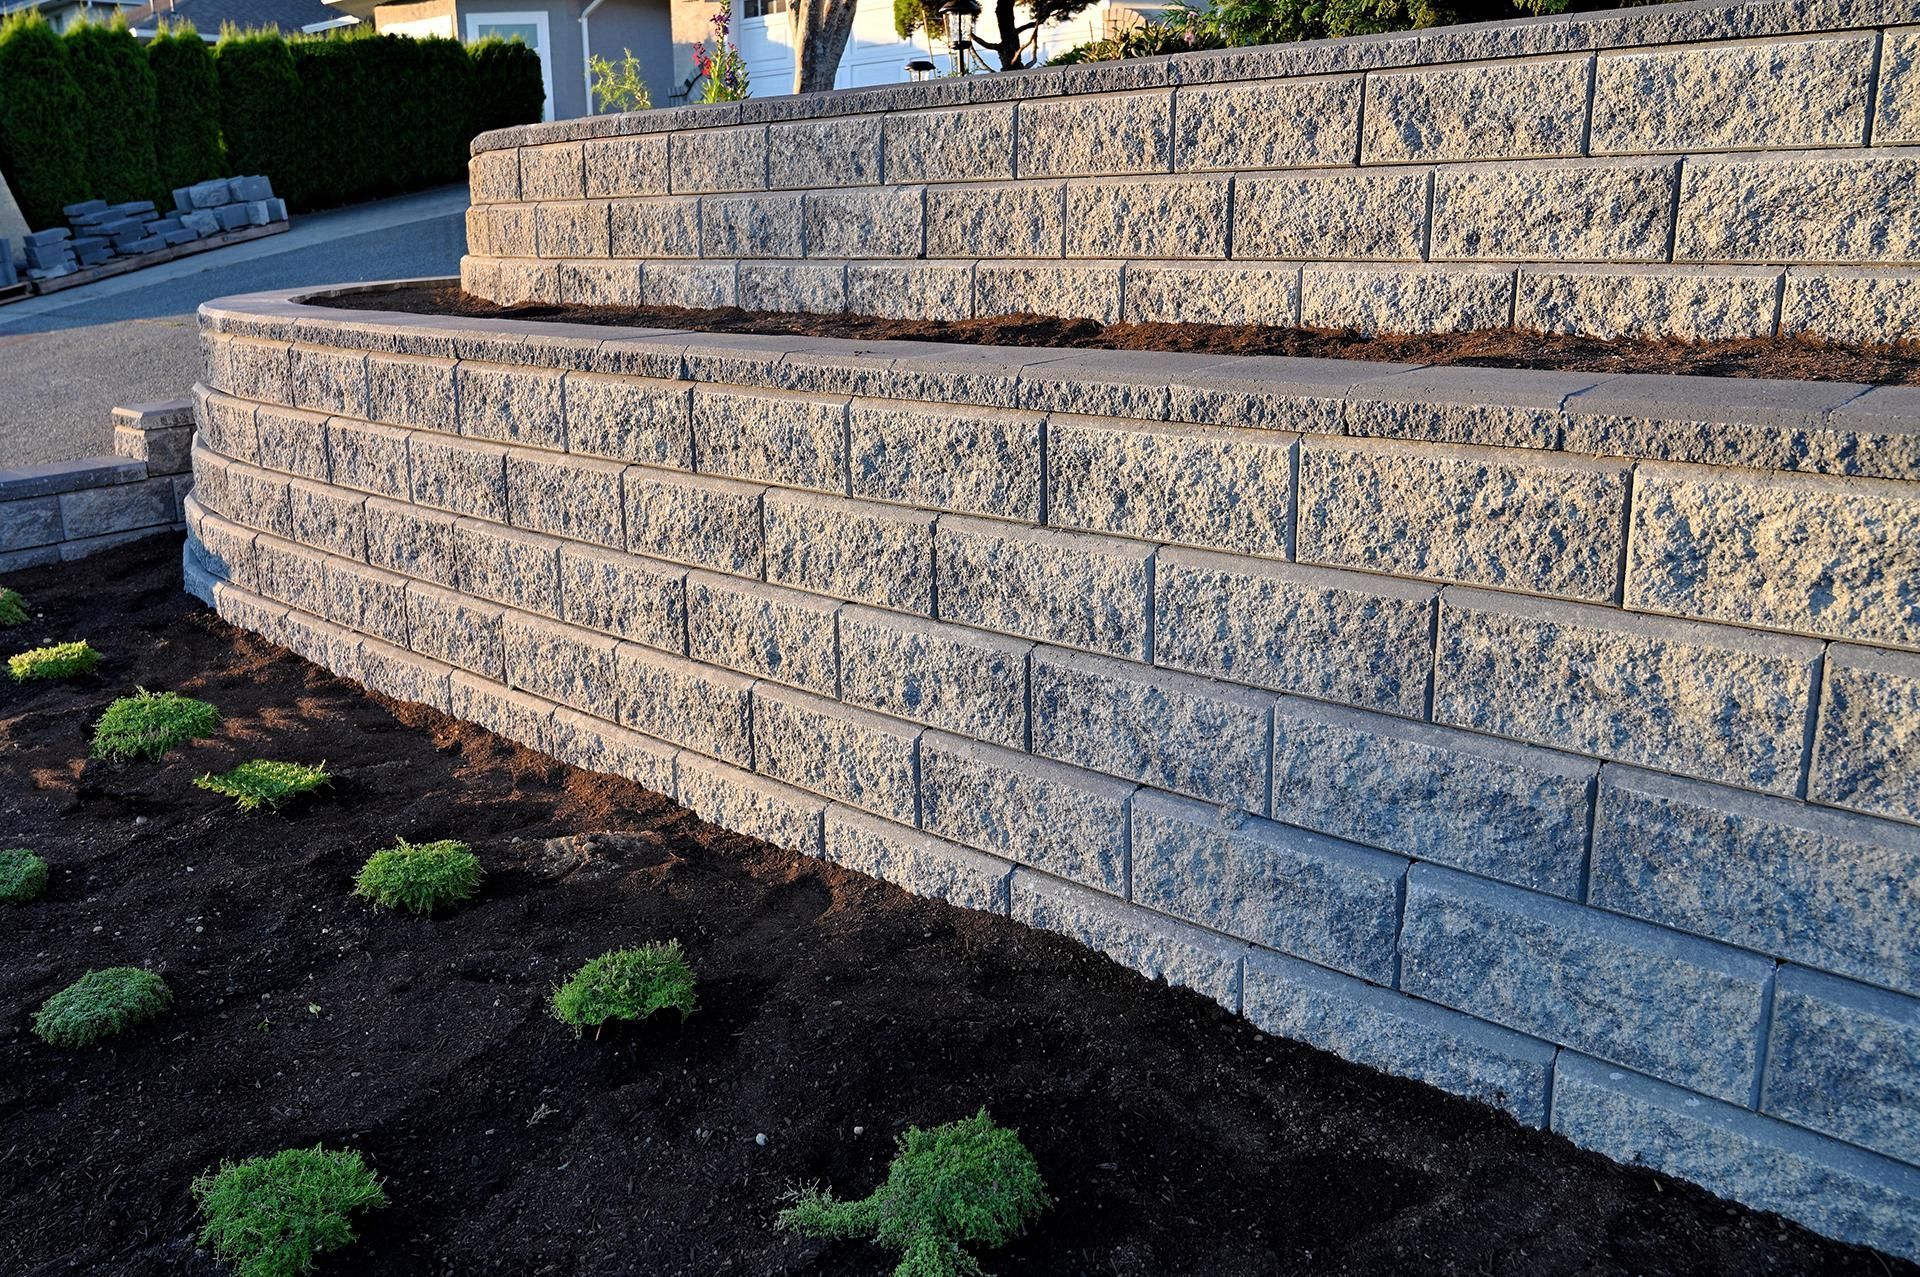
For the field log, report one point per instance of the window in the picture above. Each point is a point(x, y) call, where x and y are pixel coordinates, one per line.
point(764, 8)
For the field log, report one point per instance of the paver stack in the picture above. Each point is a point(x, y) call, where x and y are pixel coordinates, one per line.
point(98, 232)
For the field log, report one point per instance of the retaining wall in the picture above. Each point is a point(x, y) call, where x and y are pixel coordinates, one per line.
point(1702, 170)
point(1550, 737)
point(66, 510)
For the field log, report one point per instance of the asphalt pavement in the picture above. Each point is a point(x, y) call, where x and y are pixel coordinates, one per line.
point(68, 358)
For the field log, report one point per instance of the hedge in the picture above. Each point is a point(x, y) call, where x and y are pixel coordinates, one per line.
point(186, 149)
point(507, 88)
point(259, 105)
point(117, 110)
point(42, 148)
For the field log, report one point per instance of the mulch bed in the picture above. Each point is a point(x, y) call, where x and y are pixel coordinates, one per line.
point(1175, 1139)
point(1790, 358)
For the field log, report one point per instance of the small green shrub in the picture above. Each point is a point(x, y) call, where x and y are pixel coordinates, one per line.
point(148, 724)
point(62, 660)
point(420, 877)
point(23, 876)
point(265, 783)
point(13, 609)
point(626, 984)
point(269, 1216)
point(967, 1183)
point(100, 1004)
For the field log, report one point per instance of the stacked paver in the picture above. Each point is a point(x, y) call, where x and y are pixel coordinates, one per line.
point(98, 232)
point(66, 510)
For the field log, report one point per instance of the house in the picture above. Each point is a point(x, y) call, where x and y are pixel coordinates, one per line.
point(289, 17)
point(61, 14)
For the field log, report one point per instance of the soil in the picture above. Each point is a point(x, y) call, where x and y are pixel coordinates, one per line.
point(1789, 358)
point(833, 1011)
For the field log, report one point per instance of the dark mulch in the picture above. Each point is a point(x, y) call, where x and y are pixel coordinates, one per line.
point(1176, 1140)
point(1791, 358)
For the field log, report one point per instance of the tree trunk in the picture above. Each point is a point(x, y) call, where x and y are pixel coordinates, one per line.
point(1008, 39)
point(820, 31)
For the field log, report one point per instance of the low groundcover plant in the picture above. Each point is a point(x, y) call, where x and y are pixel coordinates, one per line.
point(13, 609)
point(420, 877)
point(269, 1216)
point(100, 1004)
point(265, 783)
point(62, 660)
point(23, 876)
point(967, 1183)
point(148, 724)
point(626, 984)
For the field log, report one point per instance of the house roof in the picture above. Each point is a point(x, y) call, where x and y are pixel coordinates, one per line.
point(208, 16)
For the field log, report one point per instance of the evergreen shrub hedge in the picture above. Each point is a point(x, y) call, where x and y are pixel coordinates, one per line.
point(186, 139)
point(42, 148)
point(117, 117)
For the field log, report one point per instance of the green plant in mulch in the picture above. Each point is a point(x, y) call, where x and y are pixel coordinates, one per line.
point(265, 783)
point(420, 877)
point(100, 1004)
point(967, 1183)
point(23, 876)
point(626, 984)
point(13, 609)
point(62, 660)
point(148, 724)
point(269, 1216)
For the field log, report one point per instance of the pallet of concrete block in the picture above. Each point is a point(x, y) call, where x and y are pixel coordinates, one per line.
point(229, 203)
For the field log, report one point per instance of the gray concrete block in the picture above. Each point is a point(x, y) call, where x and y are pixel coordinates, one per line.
point(698, 706)
point(1339, 216)
point(1274, 124)
point(1766, 425)
point(848, 754)
point(367, 457)
point(1047, 288)
point(824, 153)
point(291, 441)
point(366, 599)
point(941, 675)
point(595, 745)
point(1006, 219)
point(1896, 116)
point(123, 507)
point(508, 565)
point(453, 628)
point(578, 229)
point(515, 716)
point(27, 524)
point(1511, 109)
point(1554, 210)
point(1844, 1060)
point(1649, 301)
point(947, 457)
point(511, 405)
point(762, 630)
point(874, 222)
point(1092, 135)
point(571, 497)
point(601, 284)
point(1843, 206)
point(635, 165)
point(654, 228)
point(752, 805)
point(394, 671)
point(410, 390)
point(728, 159)
point(1205, 293)
point(694, 285)
point(712, 523)
point(328, 518)
point(630, 419)
point(291, 574)
point(910, 290)
point(1060, 587)
point(554, 172)
point(561, 663)
point(225, 425)
point(494, 176)
point(851, 550)
point(1158, 948)
point(813, 288)
point(1850, 305)
point(1857, 761)
point(915, 862)
point(453, 474)
point(625, 595)
point(326, 380)
point(249, 368)
point(1374, 299)
point(963, 144)
point(1157, 217)
point(772, 436)
point(751, 226)
point(413, 542)
point(258, 498)
point(221, 547)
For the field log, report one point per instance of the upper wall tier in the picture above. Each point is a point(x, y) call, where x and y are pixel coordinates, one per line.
point(1698, 170)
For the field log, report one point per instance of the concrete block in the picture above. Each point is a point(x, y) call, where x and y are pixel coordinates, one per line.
point(1400, 1035)
point(772, 436)
point(249, 368)
point(762, 630)
point(561, 663)
point(625, 595)
point(1511, 109)
point(730, 159)
point(1811, 555)
point(1821, 207)
point(327, 380)
point(1435, 299)
point(210, 484)
point(794, 287)
point(947, 457)
point(1202, 293)
point(411, 390)
point(1090, 135)
point(225, 425)
point(690, 704)
point(1500, 810)
point(1157, 217)
point(1766, 425)
point(601, 284)
point(515, 716)
point(851, 550)
point(632, 165)
point(1648, 301)
point(328, 518)
point(1554, 210)
point(396, 672)
point(836, 751)
point(752, 805)
point(570, 497)
point(291, 441)
point(367, 457)
point(1273, 124)
point(1866, 752)
point(711, 523)
point(1230, 489)
point(1896, 116)
point(940, 675)
point(824, 153)
point(866, 222)
point(594, 745)
point(960, 144)
point(1006, 219)
point(915, 862)
point(1342, 216)
point(1844, 1060)
point(1681, 1009)
point(1158, 948)
point(520, 569)
point(511, 405)
point(1059, 587)
point(223, 548)
point(553, 172)
point(1047, 288)
point(1728, 705)
point(122, 507)
point(258, 498)
point(910, 290)
point(458, 630)
point(1734, 96)
point(30, 523)
point(751, 226)
point(630, 419)
point(654, 228)
point(453, 474)
point(510, 283)
point(1851, 305)
point(578, 229)
point(413, 542)
point(291, 574)
point(366, 599)
point(1189, 735)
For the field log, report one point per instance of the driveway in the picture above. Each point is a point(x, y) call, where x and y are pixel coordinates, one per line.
point(67, 359)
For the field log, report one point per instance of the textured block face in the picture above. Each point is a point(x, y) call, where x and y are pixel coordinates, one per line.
point(560, 663)
point(948, 457)
point(326, 380)
point(1489, 807)
point(525, 720)
point(654, 228)
point(916, 863)
point(512, 405)
point(1836, 557)
point(1396, 1034)
point(292, 442)
point(601, 283)
point(254, 369)
point(1183, 734)
point(819, 289)
point(919, 290)
point(1204, 294)
point(455, 629)
point(1845, 1060)
point(967, 144)
point(1148, 217)
point(1313, 897)
point(225, 425)
point(325, 518)
point(1818, 209)
point(1230, 489)
point(941, 675)
point(517, 568)
point(695, 285)
point(370, 458)
point(1006, 220)
point(1704, 701)
point(712, 523)
point(1867, 754)
point(466, 478)
point(848, 754)
point(566, 496)
point(630, 419)
point(1896, 118)
point(1650, 301)
point(1678, 1008)
point(1739, 96)
point(1277, 124)
point(872, 222)
point(415, 543)
point(750, 805)
point(1411, 298)
point(25, 524)
point(292, 574)
point(1061, 820)
point(1158, 948)
point(751, 226)
point(851, 550)
point(1330, 635)
point(258, 499)
point(627, 165)
point(775, 437)
point(1071, 292)
point(1834, 891)
point(1060, 587)
point(830, 152)
point(410, 390)
point(1344, 215)
point(1464, 514)
point(1089, 136)
point(493, 177)
point(698, 706)
point(222, 548)
point(1489, 111)
point(512, 231)
point(1574, 211)
point(625, 595)
point(509, 283)
point(762, 630)
point(367, 599)
point(555, 172)
point(571, 230)
point(392, 671)
point(1842, 305)
point(730, 159)
point(598, 746)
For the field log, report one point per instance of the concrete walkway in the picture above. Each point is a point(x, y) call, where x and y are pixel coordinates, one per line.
point(67, 359)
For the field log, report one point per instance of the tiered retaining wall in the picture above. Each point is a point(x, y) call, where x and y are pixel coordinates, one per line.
point(1551, 737)
point(66, 510)
point(1704, 170)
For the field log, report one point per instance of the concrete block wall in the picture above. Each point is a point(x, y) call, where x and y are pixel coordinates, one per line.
point(1704, 170)
point(1549, 738)
point(65, 510)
